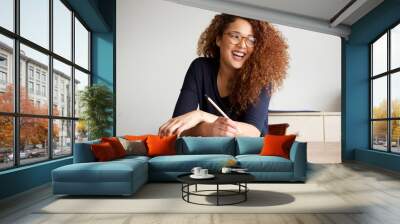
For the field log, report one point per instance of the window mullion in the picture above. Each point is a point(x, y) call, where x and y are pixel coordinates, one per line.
point(73, 82)
point(50, 81)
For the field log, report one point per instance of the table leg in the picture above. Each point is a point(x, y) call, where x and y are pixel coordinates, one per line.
point(217, 194)
point(245, 191)
point(196, 188)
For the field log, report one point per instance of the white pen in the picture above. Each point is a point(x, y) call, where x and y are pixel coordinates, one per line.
point(216, 106)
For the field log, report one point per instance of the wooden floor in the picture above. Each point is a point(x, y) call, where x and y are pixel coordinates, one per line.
point(377, 188)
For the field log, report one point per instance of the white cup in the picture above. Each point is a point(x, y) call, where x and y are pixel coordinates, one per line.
point(196, 171)
point(226, 170)
point(203, 172)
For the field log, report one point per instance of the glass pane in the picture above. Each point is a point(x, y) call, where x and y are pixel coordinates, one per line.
point(379, 97)
point(34, 97)
point(395, 94)
point(81, 45)
point(62, 89)
point(33, 139)
point(6, 74)
point(81, 131)
point(35, 21)
point(379, 55)
point(395, 136)
point(62, 138)
point(81, 81)
point(7, 14)
point(62, 29)
point(379, 135)
point(395, 47)
point(6, 142)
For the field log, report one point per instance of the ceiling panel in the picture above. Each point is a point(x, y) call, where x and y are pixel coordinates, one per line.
point(320, 9)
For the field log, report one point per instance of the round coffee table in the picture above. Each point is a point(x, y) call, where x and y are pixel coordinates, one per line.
point(238, 179)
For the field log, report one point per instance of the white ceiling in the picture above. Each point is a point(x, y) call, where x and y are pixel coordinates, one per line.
point(315, 15)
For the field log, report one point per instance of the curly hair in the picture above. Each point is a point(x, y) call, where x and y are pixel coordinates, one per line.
point(265, 68)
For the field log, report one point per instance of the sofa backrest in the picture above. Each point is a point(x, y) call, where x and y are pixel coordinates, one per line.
point(205, 145)
point(83, 152)
point(249, 145)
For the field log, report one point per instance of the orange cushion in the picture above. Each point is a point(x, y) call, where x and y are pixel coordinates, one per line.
point(158, 146)
point(277, 145)
point(116, 145)
point(103, 152)
point(136, 137)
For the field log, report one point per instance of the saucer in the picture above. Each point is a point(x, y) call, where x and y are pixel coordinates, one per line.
point(208, 176)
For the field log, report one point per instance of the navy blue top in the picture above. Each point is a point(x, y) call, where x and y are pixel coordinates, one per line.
point(201, 79)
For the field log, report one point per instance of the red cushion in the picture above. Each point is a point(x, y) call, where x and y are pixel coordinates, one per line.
point(103, 152)
point(277, 145)
point(159, 146)
point(116, 145)
point(136, 137)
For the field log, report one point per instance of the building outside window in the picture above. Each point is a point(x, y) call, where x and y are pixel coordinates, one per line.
point(385, 91)
point(34, 79)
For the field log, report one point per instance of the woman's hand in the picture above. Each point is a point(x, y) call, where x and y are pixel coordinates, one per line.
point(222, 127)
point(181, 123)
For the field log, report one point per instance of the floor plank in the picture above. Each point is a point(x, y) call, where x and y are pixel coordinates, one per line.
point(376, 190)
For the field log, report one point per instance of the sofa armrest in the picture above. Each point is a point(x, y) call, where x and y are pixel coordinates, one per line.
point(83, 152)
point(298, 155)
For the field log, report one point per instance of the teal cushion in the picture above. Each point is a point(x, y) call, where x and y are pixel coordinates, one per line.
point(257, 163)
point(111, 171)
point(185, 163)
point(249, 145)
point(206, 145)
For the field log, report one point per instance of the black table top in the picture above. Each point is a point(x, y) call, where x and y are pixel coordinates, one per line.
point(220, 178)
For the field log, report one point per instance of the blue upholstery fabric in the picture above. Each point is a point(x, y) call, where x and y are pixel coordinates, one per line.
point(83, 152)
point(249, 145)
point(206, 145)
point(118, 177)
point(184, 163)
point(126, 175)
point(298, 155)
point(257, 163)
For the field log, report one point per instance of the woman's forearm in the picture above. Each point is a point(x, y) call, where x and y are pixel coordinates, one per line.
point(248, 130)
point(203, 128)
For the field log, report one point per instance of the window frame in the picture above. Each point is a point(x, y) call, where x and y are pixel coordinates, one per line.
point(15, 72)
point(388, 74)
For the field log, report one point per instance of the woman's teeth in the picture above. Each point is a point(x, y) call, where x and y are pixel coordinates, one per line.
point(237, 55)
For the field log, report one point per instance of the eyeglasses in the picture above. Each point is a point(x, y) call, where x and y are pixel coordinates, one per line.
point(236, 38)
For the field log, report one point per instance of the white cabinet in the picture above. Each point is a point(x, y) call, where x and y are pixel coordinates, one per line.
point(321, 130)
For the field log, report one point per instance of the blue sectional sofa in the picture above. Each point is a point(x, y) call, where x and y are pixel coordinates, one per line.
point(125, 176)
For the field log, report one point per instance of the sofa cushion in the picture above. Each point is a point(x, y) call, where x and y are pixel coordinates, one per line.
point(161, 146)
point(206, 145)
point(257, 163)
point(103, 152)
point(185, 163)
point(277, 145)
point(111, 171)
point(249, 145)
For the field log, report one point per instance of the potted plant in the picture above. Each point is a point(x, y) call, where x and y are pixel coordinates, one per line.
point(96, 102)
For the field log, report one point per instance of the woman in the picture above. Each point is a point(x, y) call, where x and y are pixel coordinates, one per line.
point(244, 62)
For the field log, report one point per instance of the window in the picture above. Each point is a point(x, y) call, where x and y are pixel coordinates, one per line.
point(30, 87)
point(385, 91)
point(30, 72)
point(44, 91)
point(7, 14)
point(3, 72)
point(54, 126)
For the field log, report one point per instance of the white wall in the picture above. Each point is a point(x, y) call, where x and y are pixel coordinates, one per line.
point(156, 42)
